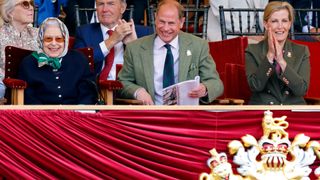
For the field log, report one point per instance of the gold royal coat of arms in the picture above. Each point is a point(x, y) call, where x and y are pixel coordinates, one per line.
point(273, 156)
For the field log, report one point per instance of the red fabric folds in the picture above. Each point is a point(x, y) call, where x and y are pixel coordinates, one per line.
point(126, 144)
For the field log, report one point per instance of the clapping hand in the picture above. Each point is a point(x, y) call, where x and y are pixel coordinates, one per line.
point(131, 36)
point(275, 50)
point(271, 54)
point(125, 32)
point(122, 30)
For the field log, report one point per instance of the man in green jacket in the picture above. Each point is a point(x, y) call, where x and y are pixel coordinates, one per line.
point(144, 71)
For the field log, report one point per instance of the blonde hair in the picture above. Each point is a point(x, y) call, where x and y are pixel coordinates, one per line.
point(1, 22)
point(277, 6)
point(6, 7)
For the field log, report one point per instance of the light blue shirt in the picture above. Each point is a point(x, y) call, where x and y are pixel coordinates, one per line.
point(159, 56)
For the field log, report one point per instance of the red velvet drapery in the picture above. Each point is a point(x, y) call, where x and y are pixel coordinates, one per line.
point(126, 144)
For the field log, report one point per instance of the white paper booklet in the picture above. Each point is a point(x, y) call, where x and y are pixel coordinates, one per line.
point(177, 94)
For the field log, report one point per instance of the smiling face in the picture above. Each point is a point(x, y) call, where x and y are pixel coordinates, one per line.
point(110, 11)
point(168, 23)
point(279, 24)
point(53, 41)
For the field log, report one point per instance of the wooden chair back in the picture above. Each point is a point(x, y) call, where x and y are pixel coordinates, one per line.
point(13, 58)
point(71, 42)
point(185, 3)
point(240, 22)
point(88, 52)
point(15, 88)
point(84, 15)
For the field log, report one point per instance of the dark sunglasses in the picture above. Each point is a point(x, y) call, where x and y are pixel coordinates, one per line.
point(26, 4)
point(50, 39)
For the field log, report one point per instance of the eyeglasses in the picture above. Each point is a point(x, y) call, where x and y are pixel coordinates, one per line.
point(50, 39)
point(26, 4)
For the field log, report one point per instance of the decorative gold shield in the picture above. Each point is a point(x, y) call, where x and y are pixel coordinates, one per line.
point(266, 158)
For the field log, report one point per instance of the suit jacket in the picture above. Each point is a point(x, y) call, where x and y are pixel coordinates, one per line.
point(90, 35)
point(71, 84)
point(138, 67)
point(270, 88)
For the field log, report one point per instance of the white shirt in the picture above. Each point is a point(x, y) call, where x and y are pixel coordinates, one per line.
point(159, 56)
point(118, 52)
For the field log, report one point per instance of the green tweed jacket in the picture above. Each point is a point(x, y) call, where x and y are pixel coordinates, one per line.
point(138, 68)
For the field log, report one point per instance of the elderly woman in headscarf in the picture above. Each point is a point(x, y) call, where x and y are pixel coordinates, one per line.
point(55, 75)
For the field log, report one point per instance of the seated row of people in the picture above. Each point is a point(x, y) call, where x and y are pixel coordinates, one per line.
point(156, 61)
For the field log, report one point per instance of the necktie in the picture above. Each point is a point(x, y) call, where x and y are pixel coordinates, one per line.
point(168, 70)
point(277, 65)
point(108, 62)
point(278, 68)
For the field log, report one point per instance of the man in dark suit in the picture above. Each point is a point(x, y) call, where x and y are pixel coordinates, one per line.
point(95, 35)
point(144, 70)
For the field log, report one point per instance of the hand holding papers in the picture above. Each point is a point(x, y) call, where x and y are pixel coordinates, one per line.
point(177, 94)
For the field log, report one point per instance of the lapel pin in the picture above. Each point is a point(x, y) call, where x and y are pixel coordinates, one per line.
point(289, 54)
point(188, 53)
